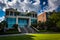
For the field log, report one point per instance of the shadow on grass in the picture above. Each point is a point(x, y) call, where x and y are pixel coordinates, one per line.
point(21, 37)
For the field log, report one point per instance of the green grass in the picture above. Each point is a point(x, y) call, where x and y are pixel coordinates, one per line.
point(33, 37)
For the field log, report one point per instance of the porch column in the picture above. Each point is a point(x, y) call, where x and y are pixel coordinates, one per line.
point(16, 19)
point(13, 13)
point(29, 22)
point(9, 13)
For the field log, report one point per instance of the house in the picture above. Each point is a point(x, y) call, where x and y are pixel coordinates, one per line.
point(44, 16)
point(23, 19)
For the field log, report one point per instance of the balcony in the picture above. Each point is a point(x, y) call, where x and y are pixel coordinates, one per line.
point(22, 14)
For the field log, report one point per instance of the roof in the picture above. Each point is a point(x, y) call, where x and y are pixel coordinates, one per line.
point(11, 9)
point(33, 12)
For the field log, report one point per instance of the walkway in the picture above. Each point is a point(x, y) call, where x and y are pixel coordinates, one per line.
point(13, 34)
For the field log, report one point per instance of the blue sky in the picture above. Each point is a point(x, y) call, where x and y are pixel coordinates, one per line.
point(39, 6)
point(2, 13)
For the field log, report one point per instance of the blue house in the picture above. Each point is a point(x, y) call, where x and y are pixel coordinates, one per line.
point(23, 19)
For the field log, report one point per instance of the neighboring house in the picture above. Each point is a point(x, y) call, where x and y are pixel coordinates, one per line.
point(23, 19)
point(44, 16)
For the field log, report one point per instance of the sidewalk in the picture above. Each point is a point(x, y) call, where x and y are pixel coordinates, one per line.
point(13, 34)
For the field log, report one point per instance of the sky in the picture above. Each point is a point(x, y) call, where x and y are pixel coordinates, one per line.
point(39, 6)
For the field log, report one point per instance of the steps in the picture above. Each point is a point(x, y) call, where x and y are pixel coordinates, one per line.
point(32, 30)
point(22, 30)
point(27, 30)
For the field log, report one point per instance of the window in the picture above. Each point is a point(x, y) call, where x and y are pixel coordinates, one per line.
point(7, 12)
point(36, 15)
point(11, 22)
point(11, 13)
point(33, 21)
point(15, 14)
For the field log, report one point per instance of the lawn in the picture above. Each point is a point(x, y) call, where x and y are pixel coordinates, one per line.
point(33, 37)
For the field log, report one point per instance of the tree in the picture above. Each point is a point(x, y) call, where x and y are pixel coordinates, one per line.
point(58, 22)
point(3, 25)
point(54, 21)
point(0, 26)
point(34, 25)
point(42, 26)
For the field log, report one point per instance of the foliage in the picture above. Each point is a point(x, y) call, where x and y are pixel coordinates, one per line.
point(34, 25)
point(55, 18)
point(53, 22)
point(58, 24)
point(15, 26)
point(3, 25)
point(41, 26)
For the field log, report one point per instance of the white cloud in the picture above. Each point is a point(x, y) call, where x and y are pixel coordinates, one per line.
point(44, 3)
point(22, 6)
point(27, 5)
point(37, 2)
point(26, 1)
point(53, 5)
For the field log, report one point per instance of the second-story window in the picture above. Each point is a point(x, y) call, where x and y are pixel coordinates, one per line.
point(11, 13)
point(7, 13)
point(33, 15)
point(36, 15)
point(14, 13)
